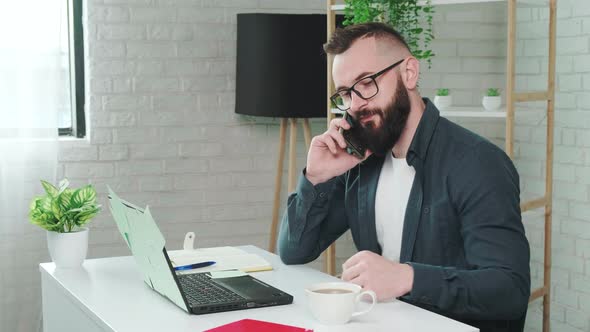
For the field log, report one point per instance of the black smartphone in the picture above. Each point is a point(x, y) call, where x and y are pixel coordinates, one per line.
point(354, 145)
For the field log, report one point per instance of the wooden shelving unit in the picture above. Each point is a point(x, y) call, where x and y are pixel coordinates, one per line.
point(460, 112)
point(512, 97)
point(528, 3)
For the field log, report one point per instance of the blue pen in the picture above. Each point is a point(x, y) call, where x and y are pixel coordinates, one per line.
point(193, 266)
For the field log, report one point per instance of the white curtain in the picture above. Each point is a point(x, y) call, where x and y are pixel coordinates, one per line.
point(33, 88)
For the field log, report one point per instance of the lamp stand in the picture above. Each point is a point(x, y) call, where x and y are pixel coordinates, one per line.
point(291, 178)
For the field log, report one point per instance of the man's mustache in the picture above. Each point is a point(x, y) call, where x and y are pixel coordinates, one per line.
point(360, 115)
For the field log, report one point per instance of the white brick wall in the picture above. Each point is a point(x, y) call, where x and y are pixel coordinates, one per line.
point(162, 132)
point(470, 52)
point(571, 216)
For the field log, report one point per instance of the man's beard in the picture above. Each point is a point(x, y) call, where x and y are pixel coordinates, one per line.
point(380, 140)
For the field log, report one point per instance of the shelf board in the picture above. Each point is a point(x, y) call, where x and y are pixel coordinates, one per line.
point(461, 112)
point(528, 3)
point(472, 112)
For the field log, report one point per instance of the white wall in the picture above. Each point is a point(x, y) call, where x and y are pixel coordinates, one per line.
point(163, 132)
point(162, 122)
point(570, 302)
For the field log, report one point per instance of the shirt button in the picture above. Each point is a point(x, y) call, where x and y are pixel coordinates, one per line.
point(322, 195)
point(426, 210)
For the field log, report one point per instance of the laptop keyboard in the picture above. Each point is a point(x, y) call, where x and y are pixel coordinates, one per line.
point(201, 290)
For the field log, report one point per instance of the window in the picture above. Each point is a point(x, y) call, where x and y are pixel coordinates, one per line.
point(71, 113)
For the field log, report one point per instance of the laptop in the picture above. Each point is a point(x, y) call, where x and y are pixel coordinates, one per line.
point(195, 293)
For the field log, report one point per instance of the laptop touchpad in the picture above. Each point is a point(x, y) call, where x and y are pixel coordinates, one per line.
point(247, 287)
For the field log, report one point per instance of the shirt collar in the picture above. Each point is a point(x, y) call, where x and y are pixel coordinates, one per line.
point(423, 135)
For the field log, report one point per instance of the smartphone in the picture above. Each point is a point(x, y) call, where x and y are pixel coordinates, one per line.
point(354, 145)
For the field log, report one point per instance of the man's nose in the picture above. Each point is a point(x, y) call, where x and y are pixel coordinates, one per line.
point(356, 102)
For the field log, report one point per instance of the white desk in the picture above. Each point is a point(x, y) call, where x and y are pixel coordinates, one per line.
point(109, 294)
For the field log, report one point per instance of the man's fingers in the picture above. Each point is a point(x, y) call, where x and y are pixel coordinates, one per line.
point(336, 136)
point(334, 124)
point(352, 272)
point(359, 280)
point(328, 141)
point(353, 260)
point(338, 123)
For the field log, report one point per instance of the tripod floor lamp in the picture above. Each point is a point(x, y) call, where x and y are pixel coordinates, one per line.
point(281, 73)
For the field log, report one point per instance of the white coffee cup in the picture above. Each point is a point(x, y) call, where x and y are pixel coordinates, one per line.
point(336, 302)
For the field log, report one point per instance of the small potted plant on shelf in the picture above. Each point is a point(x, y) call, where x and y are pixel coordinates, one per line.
point(492, 100)
point(63, 212)
point(443, 100)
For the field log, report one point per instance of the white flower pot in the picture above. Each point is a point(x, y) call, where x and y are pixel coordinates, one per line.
point(68, 250)
point(491, 103)
point(443, 102)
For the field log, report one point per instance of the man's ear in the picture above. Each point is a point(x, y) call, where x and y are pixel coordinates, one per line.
point(411, 72)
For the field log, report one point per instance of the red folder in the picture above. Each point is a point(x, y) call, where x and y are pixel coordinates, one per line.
point(252, 325)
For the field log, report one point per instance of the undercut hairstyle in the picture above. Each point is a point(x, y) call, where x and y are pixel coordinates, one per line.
point(342, 38)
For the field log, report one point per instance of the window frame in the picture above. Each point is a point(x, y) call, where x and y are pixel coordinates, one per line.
point(76, 63)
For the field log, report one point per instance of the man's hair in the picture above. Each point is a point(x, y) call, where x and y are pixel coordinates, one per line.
point(342, 38)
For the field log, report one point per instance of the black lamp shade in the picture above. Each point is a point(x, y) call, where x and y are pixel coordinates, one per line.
point(281, 65)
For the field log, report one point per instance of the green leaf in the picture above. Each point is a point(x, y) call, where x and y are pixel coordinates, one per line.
point(88, 213)
point(56, 209)
point(49, 188)
point(41, 214)
point(83, 196)
point(493, 92)
point(61, 203)
point(45, 204)
point(35, 203)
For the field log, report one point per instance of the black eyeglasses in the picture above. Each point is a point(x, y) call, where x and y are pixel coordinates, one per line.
point(365, 88)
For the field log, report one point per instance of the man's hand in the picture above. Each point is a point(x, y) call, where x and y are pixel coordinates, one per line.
point(373, 272)
point(327, 156)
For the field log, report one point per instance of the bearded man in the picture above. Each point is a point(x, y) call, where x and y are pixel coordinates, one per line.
point(433, 208)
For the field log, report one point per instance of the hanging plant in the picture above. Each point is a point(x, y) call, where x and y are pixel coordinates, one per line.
point(412, 20)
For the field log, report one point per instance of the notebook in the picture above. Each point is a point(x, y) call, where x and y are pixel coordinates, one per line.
point(226, 258)
point(252, 325)
point(196, 293)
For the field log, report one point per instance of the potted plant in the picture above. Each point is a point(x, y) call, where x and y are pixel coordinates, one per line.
point(63, 212)
point(443, 100)
point(492, 100)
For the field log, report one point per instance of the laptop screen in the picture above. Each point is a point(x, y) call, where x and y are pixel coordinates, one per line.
point(147, 244)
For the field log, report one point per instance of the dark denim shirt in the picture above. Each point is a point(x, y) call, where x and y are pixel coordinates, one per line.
point(462, 234)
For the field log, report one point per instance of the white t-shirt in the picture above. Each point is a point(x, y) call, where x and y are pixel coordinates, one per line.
point(393, 191)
